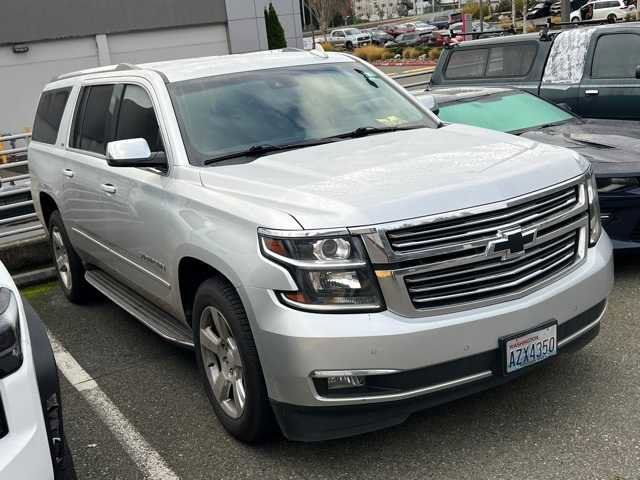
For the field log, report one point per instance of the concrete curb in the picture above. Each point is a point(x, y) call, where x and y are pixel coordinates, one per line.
point(26, 255)
point(34, 277)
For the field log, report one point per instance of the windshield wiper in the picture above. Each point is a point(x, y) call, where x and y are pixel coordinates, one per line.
point(263, 149)
point(365, 131)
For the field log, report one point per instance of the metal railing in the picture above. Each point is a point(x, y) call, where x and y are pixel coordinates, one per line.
point(422, 73)
point(17, 214)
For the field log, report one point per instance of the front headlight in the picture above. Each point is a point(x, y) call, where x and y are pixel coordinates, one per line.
point(595, 227)
point(10, 351)
point(332, 272)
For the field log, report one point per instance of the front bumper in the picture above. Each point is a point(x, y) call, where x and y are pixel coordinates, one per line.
point(293, 344)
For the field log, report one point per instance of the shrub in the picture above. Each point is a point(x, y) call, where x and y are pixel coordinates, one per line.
point(474, 10)
point(434, 53)
point(328, 47)
point(370, 53)
point(387, 54)
point(411, 52)
point(275, 33)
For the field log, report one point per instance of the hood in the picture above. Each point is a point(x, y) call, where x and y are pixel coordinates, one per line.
point(611, 146)
point(395, 176)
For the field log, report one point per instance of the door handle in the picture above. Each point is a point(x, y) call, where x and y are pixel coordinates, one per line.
point(108, 188)
point(591, 93)
point(67, 172)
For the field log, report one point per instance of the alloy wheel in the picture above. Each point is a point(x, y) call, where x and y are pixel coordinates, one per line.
point(222, 362)
point(61, 257)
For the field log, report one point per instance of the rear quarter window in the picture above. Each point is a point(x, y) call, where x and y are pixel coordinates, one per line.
point(468, 63)
point(511, 60)
point(498, 61)
point(49, 115)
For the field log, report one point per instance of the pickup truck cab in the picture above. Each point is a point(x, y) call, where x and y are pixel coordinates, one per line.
point(594, 71)
point(335, 255)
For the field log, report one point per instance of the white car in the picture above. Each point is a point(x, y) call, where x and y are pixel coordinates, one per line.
point(32, 444)
point(349, 38)
point(610, 10)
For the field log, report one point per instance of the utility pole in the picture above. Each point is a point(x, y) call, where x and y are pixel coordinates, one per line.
point(513, 14)
point(565, 7)
point(481, 18)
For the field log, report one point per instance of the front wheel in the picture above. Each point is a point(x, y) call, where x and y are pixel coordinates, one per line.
point(228, 361)
point(349, 46)
point(612, 18)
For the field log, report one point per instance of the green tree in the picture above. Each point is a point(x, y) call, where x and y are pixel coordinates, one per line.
point(275, 32)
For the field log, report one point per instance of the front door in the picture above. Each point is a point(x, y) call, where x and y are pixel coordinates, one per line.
point(609, 87)
point(133, 222)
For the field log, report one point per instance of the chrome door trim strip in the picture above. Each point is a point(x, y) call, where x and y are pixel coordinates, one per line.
point(583, 330)
point(122, 257)
point(408, 394)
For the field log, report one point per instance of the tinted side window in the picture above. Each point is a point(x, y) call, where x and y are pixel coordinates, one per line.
point(137, 118)
point(49, 115)
point(93, 119)
point(467, 63)
point(616, 56)
point(511, 60)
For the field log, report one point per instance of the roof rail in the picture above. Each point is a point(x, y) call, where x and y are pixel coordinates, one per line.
point(89, 71)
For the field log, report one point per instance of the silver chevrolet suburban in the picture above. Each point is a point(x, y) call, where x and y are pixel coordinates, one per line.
point(336, 256)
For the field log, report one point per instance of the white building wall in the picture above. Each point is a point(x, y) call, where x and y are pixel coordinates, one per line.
point(247, 30)
point(23, 75)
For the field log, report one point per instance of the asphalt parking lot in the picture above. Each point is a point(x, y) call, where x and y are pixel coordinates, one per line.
point(576, 417)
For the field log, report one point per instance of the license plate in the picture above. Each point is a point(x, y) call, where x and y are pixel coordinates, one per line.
point(524, 349)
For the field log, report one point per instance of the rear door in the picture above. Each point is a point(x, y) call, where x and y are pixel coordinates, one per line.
point(86, 146)
point(609, 87)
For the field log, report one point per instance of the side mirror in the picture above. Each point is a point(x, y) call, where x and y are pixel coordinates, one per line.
point(134, 152)
point(430, 102)
point(638, 72)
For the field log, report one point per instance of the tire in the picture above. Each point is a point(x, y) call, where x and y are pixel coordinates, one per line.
point(349, 46)
point(68, 265)
point(230, 360)
point(612, 18)
point(575, 20)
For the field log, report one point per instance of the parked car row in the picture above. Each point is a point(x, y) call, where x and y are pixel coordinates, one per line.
point(336, 255)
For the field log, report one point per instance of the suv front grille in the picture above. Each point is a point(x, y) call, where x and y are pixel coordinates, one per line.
point(494, 276)
point(482, 255)
point(483, 226)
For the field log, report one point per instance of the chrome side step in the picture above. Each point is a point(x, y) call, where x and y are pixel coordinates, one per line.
point(148, 314)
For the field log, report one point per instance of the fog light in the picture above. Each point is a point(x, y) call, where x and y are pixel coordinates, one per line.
point(344, 381)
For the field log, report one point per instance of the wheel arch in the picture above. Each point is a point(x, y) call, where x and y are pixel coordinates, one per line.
point(192, 271)
point(47, 206)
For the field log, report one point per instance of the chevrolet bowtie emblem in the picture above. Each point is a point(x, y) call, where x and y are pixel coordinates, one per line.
point(510, 244)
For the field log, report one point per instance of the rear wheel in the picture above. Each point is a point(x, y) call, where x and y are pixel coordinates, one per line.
point(575, 20)
point(228, 361)
point(67, 262)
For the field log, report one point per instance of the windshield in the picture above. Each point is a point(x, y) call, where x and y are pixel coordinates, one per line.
point(230, 113)
point(507, 112)
point(353, 31)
